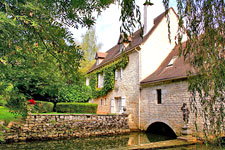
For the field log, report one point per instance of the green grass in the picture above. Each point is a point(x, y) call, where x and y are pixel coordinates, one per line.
point(56, 113)
point(7, 116)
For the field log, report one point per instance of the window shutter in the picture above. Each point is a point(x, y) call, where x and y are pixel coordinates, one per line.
point(103, 80)
point(123, 102)
point(116, 74)
point(121, 73)
point(112, 105)
point(99, 81)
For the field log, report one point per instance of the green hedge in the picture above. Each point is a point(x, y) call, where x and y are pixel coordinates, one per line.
point(42, 107)
point(76, 108)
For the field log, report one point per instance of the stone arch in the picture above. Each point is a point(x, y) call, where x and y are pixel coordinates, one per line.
point(152, 121)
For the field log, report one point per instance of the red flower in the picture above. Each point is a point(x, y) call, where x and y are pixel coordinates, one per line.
point(31, 101)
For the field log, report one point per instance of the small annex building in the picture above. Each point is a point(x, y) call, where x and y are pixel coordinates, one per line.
point(165, 91)
point(132, 84)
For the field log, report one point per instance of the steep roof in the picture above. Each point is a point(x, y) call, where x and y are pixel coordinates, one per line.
point(173, 67)
point(135, 41)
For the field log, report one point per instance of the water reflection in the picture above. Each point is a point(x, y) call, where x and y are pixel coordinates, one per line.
point(137, 138)
point(119, 142)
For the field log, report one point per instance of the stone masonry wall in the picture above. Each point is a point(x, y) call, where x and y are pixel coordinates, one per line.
point(39, 127)
point(127, 87)
point(174, 94)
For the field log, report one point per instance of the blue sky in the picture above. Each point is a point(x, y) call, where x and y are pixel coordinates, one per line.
point(108, 26)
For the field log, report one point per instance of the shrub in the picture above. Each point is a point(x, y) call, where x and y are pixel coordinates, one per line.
point(42, 107)
point(74, 93)
point(76, 108)
point(3, 102)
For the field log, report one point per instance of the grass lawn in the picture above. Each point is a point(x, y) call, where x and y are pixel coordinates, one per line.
point(56, 113)
point(7, 116)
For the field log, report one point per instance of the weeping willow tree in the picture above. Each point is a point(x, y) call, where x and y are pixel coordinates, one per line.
point(204, 21)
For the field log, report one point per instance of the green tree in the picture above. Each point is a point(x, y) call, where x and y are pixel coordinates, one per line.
point(205, 25)
point(37, 52)
point(89, 46)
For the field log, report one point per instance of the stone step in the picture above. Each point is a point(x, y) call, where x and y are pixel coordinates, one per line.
point(162, 144)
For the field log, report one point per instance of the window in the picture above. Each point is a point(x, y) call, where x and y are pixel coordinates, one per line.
point(117, 104)
point(121, 48)
point(105, 101)
point(121, 73)
point(100, 80)
point(172, 61)
point(87, 81)
point(97, 62)
point(159, 96)
point(116, 74)
point(101, 102)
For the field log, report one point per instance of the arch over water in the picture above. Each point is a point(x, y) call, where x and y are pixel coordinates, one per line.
point(161, 128)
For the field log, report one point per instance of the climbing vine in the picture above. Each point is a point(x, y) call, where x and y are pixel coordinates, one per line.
point(109, 77)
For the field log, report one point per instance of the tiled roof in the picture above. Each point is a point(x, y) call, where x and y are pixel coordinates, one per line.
point(177, 70)
point(100, 55)
point(136, 40)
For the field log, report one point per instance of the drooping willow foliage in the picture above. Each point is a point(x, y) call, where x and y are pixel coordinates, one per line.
point(204, 21)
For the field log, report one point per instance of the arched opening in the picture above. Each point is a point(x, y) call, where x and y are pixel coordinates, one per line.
point(162, 131)
point(223, 141)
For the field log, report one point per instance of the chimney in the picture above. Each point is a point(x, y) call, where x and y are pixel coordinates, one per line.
point(148, 24)
point(145, 18)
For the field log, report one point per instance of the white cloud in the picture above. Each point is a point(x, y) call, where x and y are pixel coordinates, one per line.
point(108, 26)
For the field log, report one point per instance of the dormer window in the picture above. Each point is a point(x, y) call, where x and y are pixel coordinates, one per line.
point(100, 56)
point(123, 42)
point(97, 62)
point(172, 61)
point(121, 48)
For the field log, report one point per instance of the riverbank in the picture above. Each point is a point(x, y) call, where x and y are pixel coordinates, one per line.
point(112, 142)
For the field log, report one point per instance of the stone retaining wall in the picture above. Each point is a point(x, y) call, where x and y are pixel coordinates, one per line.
point(40, 127)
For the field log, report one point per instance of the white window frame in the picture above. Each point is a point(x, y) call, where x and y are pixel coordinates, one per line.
point(99, 80)
point(102, 81)
point(87, 81)
point(116, 75)
point(121, 73)
point(121, 48)
point(112, 105)
point(172, 61)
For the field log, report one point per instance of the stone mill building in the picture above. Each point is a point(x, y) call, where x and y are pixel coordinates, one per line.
point(152, 87)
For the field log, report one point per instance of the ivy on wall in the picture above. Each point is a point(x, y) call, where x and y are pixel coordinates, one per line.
point(109, 77)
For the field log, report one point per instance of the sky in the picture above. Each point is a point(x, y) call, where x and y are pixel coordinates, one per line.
point(108, 25)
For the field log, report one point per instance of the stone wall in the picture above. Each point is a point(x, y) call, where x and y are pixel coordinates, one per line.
point(174, 94)
point(39, 127)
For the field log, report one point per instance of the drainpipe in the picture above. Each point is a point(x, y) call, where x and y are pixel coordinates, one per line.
point(139, 93)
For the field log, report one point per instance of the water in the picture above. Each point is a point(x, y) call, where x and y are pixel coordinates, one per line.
point(119, 142)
